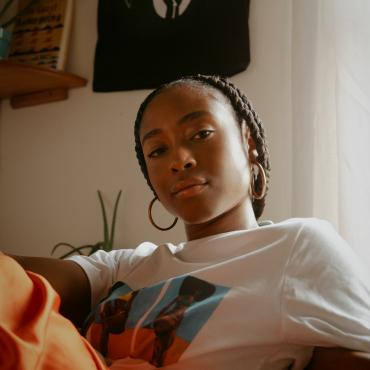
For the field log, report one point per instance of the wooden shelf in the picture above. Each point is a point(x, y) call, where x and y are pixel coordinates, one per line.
point(27, 85)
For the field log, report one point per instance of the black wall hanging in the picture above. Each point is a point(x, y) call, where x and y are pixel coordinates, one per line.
point(143, 43)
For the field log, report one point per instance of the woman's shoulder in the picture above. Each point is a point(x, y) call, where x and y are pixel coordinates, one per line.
point(319, 230)
point(307, 222)
point(116, 256)
point(308, 226)
point(317, 242)
point(315, 238)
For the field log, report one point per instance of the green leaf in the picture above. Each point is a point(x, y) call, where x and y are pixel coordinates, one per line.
point(107, 244)
point(111, 241)
point(60, 244)
point(105, 222)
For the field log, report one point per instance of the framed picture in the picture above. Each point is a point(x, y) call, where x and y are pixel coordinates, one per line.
point(40, 36)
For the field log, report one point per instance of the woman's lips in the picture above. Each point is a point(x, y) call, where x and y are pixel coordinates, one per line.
point(188, 187)
point(190, 191)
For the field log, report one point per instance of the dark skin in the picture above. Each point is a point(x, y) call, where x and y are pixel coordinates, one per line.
point(179, 130)
point(190, 133)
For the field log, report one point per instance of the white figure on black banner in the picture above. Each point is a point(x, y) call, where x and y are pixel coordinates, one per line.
point(170, 9)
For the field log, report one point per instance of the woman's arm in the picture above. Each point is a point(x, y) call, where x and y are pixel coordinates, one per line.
point(339, 359)
point(68, 279)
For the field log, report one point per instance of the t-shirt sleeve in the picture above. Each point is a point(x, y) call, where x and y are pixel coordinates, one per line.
point(326, 292)
point(103, 269)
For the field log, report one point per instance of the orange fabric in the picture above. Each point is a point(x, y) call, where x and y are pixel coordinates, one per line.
point(33, 335)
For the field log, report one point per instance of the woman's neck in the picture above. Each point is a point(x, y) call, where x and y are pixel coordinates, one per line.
point(241, 217)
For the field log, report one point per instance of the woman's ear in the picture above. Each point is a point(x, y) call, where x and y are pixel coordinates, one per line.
point(252, 150)
point(249, 143)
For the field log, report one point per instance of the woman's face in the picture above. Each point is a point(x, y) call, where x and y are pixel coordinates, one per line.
point(195, 153)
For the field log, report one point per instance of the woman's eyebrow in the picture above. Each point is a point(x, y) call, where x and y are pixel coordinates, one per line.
point(186, 118)
point(150, 134)
point(192, 115)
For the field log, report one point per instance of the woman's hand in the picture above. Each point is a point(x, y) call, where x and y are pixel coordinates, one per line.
point(339, 359)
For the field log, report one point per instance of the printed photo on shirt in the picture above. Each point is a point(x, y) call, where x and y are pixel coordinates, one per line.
point(156, 323)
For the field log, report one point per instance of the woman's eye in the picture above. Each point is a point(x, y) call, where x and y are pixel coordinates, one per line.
point(202, 134)
point(156, 152)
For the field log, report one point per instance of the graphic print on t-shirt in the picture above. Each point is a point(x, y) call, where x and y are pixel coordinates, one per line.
point(156, 323)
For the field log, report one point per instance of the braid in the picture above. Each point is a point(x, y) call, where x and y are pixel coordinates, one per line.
point(244, 112)
point(138, 148)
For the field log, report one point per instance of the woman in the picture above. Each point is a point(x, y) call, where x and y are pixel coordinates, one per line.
point(274, 291)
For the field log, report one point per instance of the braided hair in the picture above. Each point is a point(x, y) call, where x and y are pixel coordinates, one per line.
point(244, 112)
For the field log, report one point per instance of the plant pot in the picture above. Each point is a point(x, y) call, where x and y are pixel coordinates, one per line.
point(4, 43)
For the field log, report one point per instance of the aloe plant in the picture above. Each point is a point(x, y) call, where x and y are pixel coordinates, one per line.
point(12, 19)
point(106, 244)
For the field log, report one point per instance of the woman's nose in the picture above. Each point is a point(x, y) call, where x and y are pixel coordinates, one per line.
point(183, 160)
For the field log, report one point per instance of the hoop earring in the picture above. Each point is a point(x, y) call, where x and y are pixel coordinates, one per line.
point(261, 172)
point(152, 221)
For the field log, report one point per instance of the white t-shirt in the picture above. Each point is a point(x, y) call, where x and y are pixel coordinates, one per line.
point(249, 299)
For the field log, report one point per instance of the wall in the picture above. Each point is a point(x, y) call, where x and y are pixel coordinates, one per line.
point(54, 157)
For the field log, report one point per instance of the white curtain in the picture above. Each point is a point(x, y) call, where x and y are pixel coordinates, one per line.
point(331, 115)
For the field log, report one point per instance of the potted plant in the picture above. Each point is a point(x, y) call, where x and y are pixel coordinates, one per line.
point(6, 21)
point(106, 244)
